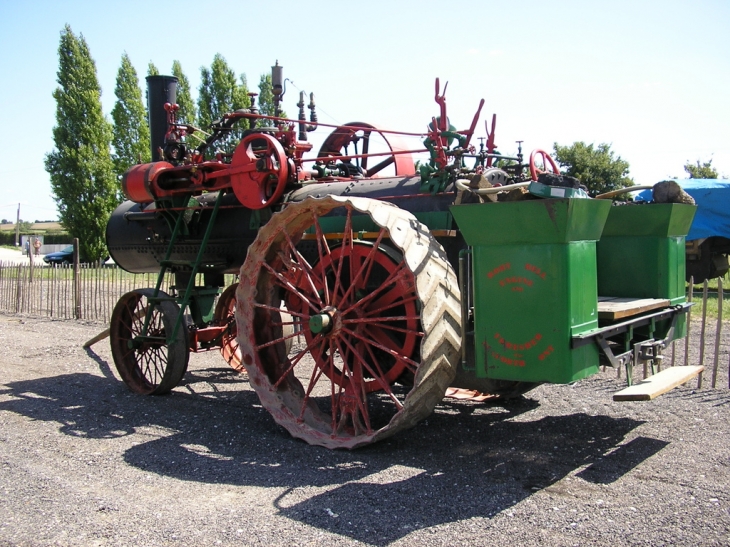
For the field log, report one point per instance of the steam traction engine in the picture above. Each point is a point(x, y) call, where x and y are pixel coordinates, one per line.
point(349, 318)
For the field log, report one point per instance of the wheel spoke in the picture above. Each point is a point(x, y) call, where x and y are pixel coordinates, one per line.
point(382, 322)
point(365, 267)
point(382, 347)
point(380, 311)
point(399, 274)
point(147, 361)
point(375, 371)
point(317, 342)
point(313, 381)
point(347, 248)
point(287, 285)
point(323, 250)
point(304, 267)
point(353, 403)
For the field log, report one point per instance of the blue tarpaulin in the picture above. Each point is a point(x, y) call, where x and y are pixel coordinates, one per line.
point(713, 206)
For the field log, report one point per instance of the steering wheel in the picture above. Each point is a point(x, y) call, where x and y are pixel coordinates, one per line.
point(546, 159)
point(259, 171)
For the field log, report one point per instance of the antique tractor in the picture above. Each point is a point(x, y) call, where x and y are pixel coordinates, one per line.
point(349, 317)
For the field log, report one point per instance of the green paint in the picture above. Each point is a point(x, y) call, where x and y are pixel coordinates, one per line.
point(641, 254)
point(534, 269)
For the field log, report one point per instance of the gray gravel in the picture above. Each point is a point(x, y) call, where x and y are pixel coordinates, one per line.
point(85, 462)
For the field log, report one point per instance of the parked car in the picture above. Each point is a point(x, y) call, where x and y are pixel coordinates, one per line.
point(64, 256)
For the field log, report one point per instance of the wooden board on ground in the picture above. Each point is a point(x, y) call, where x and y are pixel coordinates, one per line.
point(613, 308)
point(659, 383)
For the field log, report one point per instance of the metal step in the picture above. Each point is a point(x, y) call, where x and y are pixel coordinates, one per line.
point(658, 384)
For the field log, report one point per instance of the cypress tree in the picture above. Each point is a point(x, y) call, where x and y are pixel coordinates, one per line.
point(131, 134)
point(80, 166)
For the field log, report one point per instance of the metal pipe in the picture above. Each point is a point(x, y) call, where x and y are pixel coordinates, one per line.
point(461, 184)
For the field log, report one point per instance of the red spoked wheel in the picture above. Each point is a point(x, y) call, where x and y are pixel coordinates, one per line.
point(371, 314)
point(358, 138)
point(259, 171)
point(225, 315)
point(541, 162)
point(366, 315)
point(151, 364)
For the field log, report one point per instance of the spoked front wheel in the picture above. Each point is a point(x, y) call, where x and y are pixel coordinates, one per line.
point(150, 364)
point(370, 314)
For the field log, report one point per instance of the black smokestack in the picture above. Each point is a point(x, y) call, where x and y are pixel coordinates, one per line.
point(160, 90)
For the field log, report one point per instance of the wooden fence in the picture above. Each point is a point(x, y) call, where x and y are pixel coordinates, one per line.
point(60, 292)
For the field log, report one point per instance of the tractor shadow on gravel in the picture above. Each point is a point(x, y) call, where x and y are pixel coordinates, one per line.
point(467, 460)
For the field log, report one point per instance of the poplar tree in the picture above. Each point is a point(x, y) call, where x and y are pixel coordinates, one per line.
point(186, 114)
point(131, 133)
point(220, 92)
point(80, 166)
point(152, 69)
point(266, 99)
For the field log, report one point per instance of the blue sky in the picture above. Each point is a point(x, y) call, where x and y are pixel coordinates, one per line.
point(650, 78)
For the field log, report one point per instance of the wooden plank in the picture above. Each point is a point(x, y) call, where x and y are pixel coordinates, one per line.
point(658, 384)
point(613, 308)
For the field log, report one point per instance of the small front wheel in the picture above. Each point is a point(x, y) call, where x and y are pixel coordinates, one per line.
point(150, 364)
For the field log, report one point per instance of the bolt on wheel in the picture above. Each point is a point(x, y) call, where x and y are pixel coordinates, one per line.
point(370, 313)
point(150, 364)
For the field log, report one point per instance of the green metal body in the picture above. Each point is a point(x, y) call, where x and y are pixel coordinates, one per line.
point(641, 254)
point(535, 286)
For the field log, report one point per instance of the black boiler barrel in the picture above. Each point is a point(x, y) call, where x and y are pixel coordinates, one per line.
point(138, 235)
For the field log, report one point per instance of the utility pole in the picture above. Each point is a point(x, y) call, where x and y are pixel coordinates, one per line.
point(17, 228)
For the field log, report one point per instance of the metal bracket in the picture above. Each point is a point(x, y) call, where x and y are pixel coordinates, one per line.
point(615, 361)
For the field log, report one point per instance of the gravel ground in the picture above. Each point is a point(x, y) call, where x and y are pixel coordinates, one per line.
point(85, 462)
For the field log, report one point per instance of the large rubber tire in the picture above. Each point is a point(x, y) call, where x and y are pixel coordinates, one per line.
point(339, 389)
point(151, 367)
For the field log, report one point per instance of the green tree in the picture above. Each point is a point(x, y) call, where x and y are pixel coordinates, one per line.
point(80, 167)
point(595, 166)
point(187, 113)
point(152, 69)
point(131, 133)
point(701, 170)
point(266, 98)
point(219, 93)
point(24, 226)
